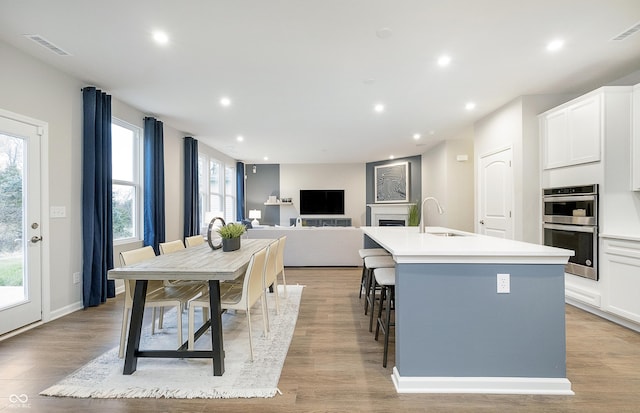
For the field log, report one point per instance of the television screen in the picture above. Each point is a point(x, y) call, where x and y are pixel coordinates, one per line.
point(321, 202)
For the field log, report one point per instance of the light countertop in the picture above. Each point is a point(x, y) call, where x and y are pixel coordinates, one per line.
point(407, 245)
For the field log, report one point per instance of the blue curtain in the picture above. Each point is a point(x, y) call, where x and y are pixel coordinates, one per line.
point(154, 228)
point(97, 235)
point(191, 204)
point(239, 191)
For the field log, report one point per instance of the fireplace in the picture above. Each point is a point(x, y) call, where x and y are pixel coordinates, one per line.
point(389, 214)
point(392, 223)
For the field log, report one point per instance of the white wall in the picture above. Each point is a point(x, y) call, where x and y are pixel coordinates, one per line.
point(515, 126)
point(434, 183)
point(350, 177)
point(451, 182)
point(33, 89)
point(460, 202)
point(39, 91)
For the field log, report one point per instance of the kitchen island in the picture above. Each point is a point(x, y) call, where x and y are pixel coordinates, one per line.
point(455, 333)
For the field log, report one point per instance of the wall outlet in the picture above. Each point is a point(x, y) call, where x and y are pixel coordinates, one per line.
point(76, 278)
point(504, 284)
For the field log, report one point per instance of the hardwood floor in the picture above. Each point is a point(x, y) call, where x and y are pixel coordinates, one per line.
point(333, 364)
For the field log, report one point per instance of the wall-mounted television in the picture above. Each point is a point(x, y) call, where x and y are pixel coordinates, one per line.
point(322, 202)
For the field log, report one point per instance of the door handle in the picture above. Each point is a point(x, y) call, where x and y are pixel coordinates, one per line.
point(482, 222)
point(35, 239)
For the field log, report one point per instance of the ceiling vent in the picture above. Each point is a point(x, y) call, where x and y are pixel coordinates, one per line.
point(628, 33)
point(47, 44)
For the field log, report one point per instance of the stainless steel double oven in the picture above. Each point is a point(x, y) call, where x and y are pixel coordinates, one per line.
point(570, 220)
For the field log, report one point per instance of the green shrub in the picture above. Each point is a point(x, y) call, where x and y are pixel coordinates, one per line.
point(232, 230)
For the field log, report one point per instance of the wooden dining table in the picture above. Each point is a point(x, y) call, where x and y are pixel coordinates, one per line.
point(199, 263)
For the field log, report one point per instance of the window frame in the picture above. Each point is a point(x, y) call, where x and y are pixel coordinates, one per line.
point(205, 162)
point(137, 182)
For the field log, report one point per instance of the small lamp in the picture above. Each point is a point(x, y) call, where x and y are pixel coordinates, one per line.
point(255, 214)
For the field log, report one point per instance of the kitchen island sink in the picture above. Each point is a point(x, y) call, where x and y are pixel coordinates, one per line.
point(446, 234)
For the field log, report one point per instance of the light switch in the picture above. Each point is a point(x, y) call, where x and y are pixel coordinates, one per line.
point(58, 212)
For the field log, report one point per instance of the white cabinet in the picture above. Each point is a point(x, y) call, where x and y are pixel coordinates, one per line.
point(621, 276)
point(635, 140)
point(572, 133)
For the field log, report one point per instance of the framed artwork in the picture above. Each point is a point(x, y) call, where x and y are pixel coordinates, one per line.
point(392, 182)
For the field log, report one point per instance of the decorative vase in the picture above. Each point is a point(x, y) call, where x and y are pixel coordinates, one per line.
point(230, 244)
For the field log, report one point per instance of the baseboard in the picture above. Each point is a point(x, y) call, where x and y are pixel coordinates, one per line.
point(588, 297)
point(66, 310)
point(21, 330)
point(607, 316)
point(482, 385)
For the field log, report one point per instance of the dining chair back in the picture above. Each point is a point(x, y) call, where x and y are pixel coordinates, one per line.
point(194, 240)
point(271, 271)
point(280, 262)
point(171, 246)
point(175, 246)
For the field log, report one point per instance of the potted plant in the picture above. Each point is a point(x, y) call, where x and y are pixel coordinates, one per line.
point(230, 234)
point(414, 215)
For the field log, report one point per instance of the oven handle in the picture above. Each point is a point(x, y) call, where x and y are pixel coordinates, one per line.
point(569, 198)
point(576, 228)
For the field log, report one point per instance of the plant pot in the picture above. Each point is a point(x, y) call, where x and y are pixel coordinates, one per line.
point(230, 244)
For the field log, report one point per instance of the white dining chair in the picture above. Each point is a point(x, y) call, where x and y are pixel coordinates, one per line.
point(158, 295)
point(171, 247)
point(271, 273)
point(194, 240)
point(280, 262)
point(236, 296)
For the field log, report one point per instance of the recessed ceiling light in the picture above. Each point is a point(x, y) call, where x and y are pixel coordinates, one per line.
point(391, 157)
point(444, 60)
point(416, 136)
point(160, 37)
point(378, 107)
point(240, 138)
point(470, 106)
point(266, 158)
point(225, 101)
point(555, 45)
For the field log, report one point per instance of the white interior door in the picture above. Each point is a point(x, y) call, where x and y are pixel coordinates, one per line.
point(20, 232)
point(495, 195)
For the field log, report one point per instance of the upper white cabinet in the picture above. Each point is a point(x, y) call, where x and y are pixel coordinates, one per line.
point(572, 133)
point(635, 140)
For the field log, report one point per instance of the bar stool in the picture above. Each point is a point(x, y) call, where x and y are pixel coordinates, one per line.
point(364, 253)
point(382, 261)
point(386, 279)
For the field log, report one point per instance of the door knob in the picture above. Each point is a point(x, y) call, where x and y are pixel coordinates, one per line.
point(35, 239)
point(482, 221)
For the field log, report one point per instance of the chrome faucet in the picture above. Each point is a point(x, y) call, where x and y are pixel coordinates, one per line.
point(422, 221)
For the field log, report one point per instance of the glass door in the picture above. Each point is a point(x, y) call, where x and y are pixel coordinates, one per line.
point(20, 232)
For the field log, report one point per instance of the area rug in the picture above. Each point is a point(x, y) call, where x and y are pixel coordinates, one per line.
point(193, 378)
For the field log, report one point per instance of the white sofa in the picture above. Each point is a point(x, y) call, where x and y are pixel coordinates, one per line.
point(316, 246)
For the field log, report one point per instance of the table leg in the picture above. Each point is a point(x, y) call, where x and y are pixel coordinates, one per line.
point(216, 327)
point(135, 327)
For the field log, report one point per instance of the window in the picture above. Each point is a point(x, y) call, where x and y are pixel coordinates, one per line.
point(215, 186)
point(126, 187)
point(229, 193)
point(217, 189)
